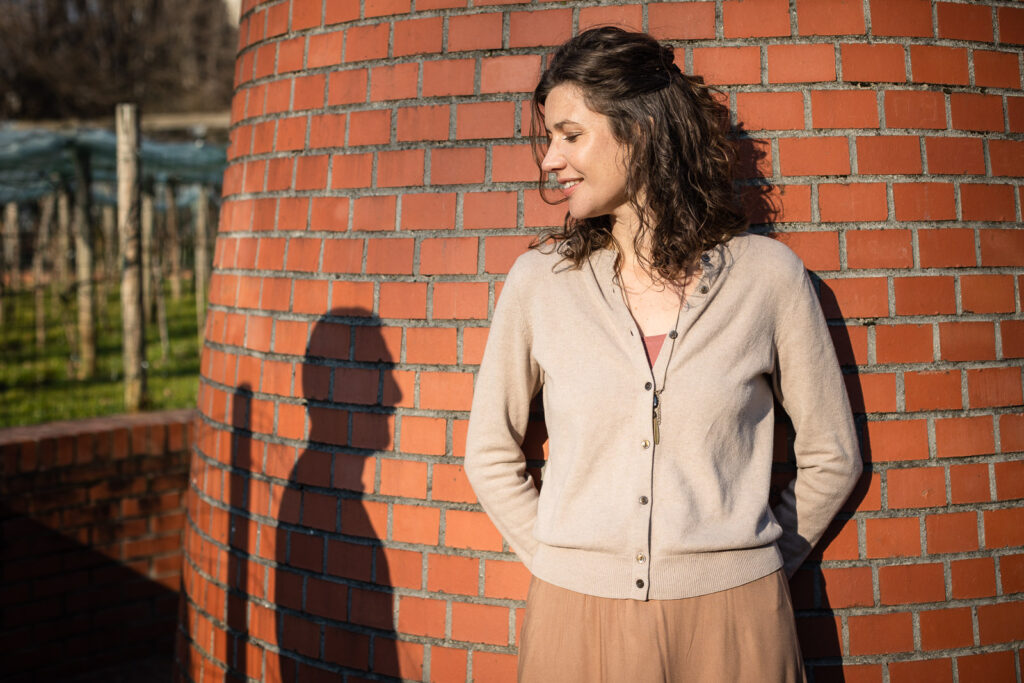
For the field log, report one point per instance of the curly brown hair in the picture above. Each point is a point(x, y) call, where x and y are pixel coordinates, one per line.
point(679, 157)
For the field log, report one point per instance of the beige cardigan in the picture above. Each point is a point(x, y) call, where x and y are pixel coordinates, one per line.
point(622, 517)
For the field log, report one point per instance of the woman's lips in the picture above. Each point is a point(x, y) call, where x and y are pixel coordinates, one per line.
point(568, 187)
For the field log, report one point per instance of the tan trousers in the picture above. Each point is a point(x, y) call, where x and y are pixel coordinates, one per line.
point(746, 633)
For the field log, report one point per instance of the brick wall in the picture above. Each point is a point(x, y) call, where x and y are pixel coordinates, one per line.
point(379, 188)
point(90, 554)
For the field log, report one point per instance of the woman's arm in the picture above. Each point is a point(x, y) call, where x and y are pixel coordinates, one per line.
point(809, 385)
point(507, 381)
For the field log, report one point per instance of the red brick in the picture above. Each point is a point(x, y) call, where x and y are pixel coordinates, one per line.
point(996, 69)
point(403, 300)
point(769, 110)
point(888, 154)
point(480, 623)
point(400, 168)
point(311, 172)
point(544, 27)
point(915, 109)
point(916, 487)
point(901, 18)
point(952, 532)
point(403, 478)
point(509, 73)
point(974, 578)
point(513, 164)
point(374, 213)
point(346, 87)
point(476, 120)
point(969, 483)
point(801, 63)
point(965, 22)
point(469, 529)
point(392, 256)
point(728, 65)
point(681, 20)
point(755, 19)
point(1009, 479)
point(945, 629)
point(852, 202)
point(452, 574)
point(830, 19)
point(872, 393)
point(457, 166)
point(424, 435)
point(370, 127)
point(991, 387)
point(844, 109)
point(421, 616)
point(1011, 429)
point(394, 82)
point(924, 295)
point(538, 214)
point(1006, 156)
point(1011, 333)
point(1012, 569)
point(893, 537)
point(417, 36)
point(938, 390)
point(911, 583)
point(913, 671)
point(881, 633)
point(986, 668)
point(1002, 247)
point(879, 249)
point(428, 211)
point(489, 210)
point(448, 76)
point(339, 12)
point(366, 42)
point(291, 134)
point(924, 201)
point(501, 252)
point(937, 64)
point(1004, 528)
point(327, 131)
point(873, 63)
point(957, 156)
point(351, 170)
point(448, 256)
point(324, 49)
point(903, 344)
point(460, 300)
point(380, 8)
point(968, 341)
point(971, 111)
point(446, 390)
point(474, 32)
point(987, 294)
point(1011, 25)
point(987, 202)
point(855, 298)
point(814, 156)
point(423, 123)
point(628, 16)
point(946, 248)
point(415, 524)
point(450, 484)
point(963, 436)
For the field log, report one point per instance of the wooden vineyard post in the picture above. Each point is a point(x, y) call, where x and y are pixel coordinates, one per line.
point(84, 267)
point(128, 177)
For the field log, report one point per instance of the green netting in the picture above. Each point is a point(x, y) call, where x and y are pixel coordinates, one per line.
point(34, 163)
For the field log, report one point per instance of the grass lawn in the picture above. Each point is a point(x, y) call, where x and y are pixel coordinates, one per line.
point(38, 385)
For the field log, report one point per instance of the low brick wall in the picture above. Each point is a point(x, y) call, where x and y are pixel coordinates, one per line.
point(90, 553)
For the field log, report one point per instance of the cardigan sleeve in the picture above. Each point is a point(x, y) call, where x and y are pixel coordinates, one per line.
point(809, 385)
point(508, 379)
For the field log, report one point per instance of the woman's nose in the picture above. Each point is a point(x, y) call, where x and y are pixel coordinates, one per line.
point(553, 159)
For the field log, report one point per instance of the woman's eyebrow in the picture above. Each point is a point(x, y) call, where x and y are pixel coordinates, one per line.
point(562, 124)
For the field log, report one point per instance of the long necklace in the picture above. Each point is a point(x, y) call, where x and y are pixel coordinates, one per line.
point(660, 387)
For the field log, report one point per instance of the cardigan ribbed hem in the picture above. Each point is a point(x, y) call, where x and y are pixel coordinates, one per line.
point(667, 577)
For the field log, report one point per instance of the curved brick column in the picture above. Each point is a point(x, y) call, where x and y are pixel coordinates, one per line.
point(379, 187)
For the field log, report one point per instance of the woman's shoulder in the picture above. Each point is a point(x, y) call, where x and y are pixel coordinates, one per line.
point(536, 265)
point(765, 257)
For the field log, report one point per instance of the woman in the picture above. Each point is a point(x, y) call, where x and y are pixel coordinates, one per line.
point(659, 332)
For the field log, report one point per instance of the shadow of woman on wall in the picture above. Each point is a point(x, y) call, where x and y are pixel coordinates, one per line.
point(332, 589)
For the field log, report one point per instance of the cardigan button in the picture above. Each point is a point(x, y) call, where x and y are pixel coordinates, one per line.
point(639, 583)
point(641, 558)
point(648, 386)
point(643, 500)
point(704, 290)
point(673, 334)
point(645, 443)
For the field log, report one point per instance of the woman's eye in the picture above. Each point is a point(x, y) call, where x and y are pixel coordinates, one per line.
point(571, 137)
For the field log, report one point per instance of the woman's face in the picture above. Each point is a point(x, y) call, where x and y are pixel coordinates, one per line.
point(584, 156)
